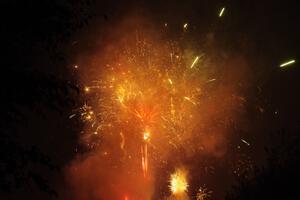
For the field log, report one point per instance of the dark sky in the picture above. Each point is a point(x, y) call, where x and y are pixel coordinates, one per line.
point(42, 40)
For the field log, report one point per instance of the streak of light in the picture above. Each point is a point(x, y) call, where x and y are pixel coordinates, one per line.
point(170, 81)
point(122, 144)
point(244, 141)
point(211, 80)
point(144, 151)
point(189, 100)
point(71, 116)
point(222, 12)
point(195, 61)
point(287, 63)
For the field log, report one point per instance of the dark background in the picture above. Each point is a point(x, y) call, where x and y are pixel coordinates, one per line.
point(39, 88)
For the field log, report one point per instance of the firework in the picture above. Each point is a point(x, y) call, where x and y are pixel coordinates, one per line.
point(158, 95)
point(178, 182)
point(145, 103)
point(203, 194)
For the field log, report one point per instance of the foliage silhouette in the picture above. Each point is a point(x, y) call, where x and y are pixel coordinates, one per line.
point(278, 179)
point(33, 35)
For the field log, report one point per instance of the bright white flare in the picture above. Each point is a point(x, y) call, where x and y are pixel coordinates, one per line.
point(287, 63)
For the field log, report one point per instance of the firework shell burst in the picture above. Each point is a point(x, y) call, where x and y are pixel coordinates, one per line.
point(150, 99)
point(150, 88)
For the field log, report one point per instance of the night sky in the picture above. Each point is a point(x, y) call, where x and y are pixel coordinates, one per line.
point(247, 128)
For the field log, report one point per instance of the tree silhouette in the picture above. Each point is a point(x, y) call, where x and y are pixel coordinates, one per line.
point(33, 34)
point(278, 179)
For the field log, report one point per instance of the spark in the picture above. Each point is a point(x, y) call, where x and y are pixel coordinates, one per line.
point(170, 81)
point(178, 182)
point(244, 141)
point(86, 89)
point(146, 135)
point(189, 99)
point(122, 144)
point(287, 63)
point(211, 80)
point(195, 61)
point(88, 117)
point(185, 26)
point(76, 66)
point(71, 116)
point(222, 12)
point(203, 194)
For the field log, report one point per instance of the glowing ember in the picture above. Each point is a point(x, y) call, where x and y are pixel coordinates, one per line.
point(86, 89)
point(185, 26)
point(146, 135)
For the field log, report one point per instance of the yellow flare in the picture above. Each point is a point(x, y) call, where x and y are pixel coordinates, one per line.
point(195, 61)
point(146, 135)
point(170, 81)
point(222, 12)
point(287, 63)
point(178, 182)
point(87, 89)
point(122, 144)
point(187, 98)
point(185, 25)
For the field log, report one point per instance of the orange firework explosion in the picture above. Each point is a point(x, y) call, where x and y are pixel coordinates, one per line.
point(149, 100)
point(150, 89)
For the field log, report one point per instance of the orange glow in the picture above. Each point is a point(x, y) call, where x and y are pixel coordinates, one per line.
point(148, 100)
